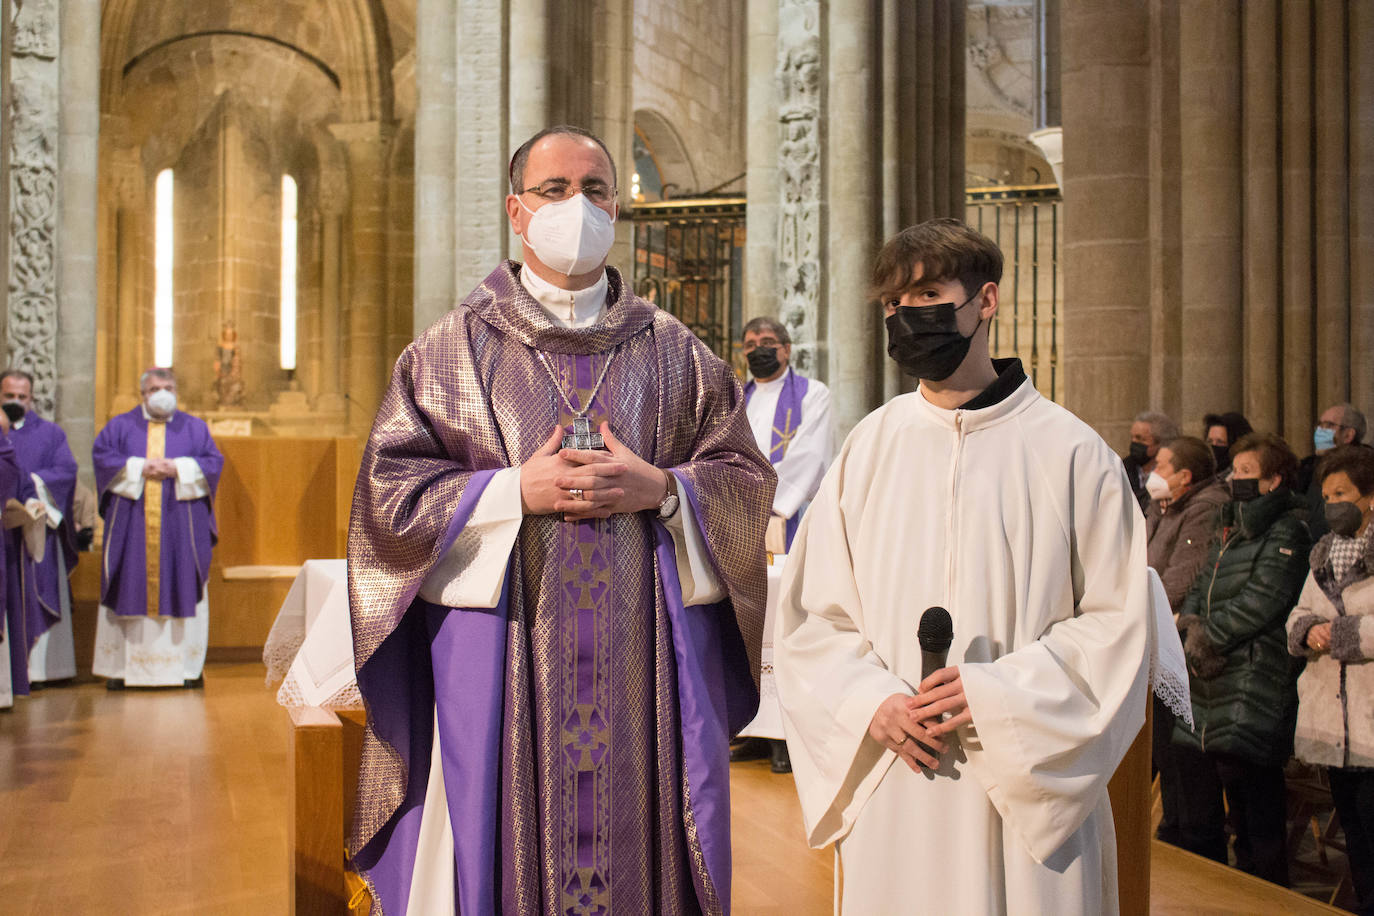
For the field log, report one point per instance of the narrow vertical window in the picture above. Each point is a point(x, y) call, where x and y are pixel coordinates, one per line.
point(162, 264)
point(288, 272)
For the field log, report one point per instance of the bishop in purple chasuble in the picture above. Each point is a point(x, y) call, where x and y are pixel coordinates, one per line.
point(583, 721)
point(156, 559)
point(41, 449)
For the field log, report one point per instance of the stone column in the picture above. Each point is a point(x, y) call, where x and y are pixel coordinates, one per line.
point(1211, 188)
point(333, 205)
point(132, 207)
point(367, 144)
point(493, 106)
point(436, 160)
point(799, 229)
point(852, 175)
point(1296, 221)
point(761, 294)
point(34, 178)
point(612, 107)
point(1262, 251)
point(1106, 326)
point(1361, 107)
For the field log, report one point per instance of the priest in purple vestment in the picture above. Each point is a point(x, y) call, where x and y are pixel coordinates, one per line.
point(557, 582)
point(14, 654)
point(792, 424)
point(42, 545)
point(156, 470)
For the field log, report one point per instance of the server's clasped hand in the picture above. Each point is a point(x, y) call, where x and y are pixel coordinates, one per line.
point(912, 727)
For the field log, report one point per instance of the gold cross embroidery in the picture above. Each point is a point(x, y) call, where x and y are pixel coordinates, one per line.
point(784, 436)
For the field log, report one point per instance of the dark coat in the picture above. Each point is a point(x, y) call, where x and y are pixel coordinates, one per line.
point(1180, 536)
point(1244, 700)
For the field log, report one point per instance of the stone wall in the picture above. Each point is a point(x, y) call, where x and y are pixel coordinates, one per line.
point(689, 70)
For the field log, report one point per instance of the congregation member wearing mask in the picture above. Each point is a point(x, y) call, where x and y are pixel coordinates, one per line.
point(557, 582)
point(1180, 526)
point(156, 470)
point(1223, 430)
point(42, 544)
point(1241, 675)
point(1149, 431)
point(1339, 424)
point(1333, 628)
point(977, 495)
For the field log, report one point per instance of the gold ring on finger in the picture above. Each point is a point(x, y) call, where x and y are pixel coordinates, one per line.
point(575, 493)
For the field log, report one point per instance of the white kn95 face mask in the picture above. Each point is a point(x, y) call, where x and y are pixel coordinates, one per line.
point(570, 236)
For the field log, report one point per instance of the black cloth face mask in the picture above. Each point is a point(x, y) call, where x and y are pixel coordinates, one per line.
point(1222, 454)
point(14, 410)
point(763, 362)
point(924, 340)
point(1344, 518)
point(1244, 489)
point(1140, 453)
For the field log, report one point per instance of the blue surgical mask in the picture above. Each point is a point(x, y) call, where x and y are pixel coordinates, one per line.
point(1323, 439)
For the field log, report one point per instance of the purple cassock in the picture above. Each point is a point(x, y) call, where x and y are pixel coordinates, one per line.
point(40, 447)
point(583, 721)
point(188, 526)
point(787, 419)
point(16, 645)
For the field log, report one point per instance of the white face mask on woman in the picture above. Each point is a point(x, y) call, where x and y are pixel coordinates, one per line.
point(1156, 486)
point(570, 236)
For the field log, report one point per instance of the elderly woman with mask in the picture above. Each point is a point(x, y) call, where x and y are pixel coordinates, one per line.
point(1181, 525)
point(1333, 628)
point(1244, 701)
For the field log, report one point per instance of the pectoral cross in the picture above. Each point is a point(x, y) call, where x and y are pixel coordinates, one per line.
point(582, 436)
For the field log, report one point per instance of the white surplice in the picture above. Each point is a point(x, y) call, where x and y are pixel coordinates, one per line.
point(1019, 520)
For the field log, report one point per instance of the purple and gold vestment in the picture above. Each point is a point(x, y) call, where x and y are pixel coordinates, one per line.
point(40, 447)
point(584, 721)
point(187, 527)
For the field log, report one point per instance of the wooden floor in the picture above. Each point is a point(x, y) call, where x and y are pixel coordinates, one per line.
point(153, 802)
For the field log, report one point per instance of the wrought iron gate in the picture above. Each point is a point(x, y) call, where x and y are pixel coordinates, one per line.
point(1025, 223)
point(689, 260)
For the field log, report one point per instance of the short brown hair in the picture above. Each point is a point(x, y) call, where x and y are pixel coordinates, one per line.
point(1192, 453)
point(1355, 460)
point(946, 249)
point(1275, 457)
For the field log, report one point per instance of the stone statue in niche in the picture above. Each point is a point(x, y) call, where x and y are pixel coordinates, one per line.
point(228, 368)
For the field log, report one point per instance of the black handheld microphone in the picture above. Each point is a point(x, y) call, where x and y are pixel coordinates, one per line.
point(935, 634)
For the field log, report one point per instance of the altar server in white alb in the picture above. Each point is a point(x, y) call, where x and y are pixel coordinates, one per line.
point(790, 416)
point(975, 494)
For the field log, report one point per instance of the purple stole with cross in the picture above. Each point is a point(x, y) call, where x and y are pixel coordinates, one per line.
point(787, 419)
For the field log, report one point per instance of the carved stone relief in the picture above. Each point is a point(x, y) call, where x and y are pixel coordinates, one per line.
point(799, 176)
point(33, 199)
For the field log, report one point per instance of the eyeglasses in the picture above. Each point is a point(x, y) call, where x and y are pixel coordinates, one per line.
point(597, 192)
point(1334, 427)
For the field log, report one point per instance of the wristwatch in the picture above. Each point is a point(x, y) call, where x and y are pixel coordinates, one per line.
point(668, 508)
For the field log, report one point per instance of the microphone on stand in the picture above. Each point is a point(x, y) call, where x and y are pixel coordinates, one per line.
point(935, 633)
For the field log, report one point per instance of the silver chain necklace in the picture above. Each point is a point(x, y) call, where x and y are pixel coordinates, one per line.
point(582, 436)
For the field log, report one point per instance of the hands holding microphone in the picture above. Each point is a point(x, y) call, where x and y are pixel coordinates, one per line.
point(917, 728)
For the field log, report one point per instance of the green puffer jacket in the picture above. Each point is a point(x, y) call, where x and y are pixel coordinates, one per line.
point(1242, 677)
